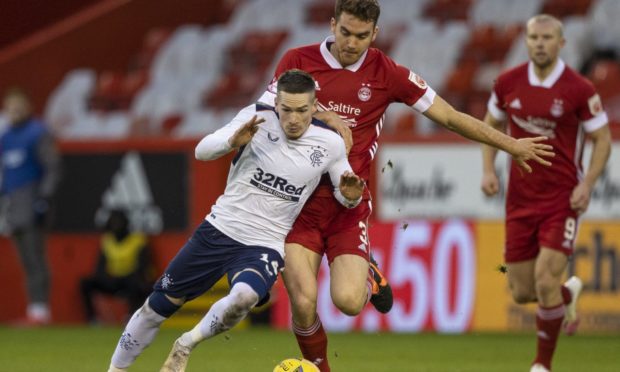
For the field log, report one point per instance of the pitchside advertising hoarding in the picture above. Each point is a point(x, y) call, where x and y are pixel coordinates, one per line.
point(151, 187)
point(437, 181)
point(440, 241)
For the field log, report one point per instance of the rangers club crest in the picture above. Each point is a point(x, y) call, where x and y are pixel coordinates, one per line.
point(364, 93)
point(317, 153)
point(557, 108)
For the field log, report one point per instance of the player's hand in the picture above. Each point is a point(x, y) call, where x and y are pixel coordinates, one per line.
point(490, 183)
point(336, 123)
point(532, 149)
point(351, 186)
point(244, 134)
point(580, 198)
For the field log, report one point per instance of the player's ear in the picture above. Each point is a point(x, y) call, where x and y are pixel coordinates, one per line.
point(314, 105)
point(332, 25)
point(374, 33)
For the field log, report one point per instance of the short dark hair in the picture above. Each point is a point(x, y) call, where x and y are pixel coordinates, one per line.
point(295, 81)
point(365, 10)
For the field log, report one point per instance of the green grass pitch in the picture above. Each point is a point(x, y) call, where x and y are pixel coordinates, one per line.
point(83, 349)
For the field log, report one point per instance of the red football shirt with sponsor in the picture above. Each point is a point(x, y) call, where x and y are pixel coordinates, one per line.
point(359, 93)
point(562, 107)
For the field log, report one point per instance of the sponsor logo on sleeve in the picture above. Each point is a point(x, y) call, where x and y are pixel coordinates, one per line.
point(595, 105)
point(417, 80)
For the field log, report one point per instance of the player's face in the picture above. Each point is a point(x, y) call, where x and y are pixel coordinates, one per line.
point(544, 41)
point(16, 108)
point(353, 38)
point(295, 111)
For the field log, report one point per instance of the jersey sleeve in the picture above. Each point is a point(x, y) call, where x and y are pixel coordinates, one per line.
point(590, 111)
point(496, 105)
point(408, 87)
point(337, 168)
point(286, 63)
point(215, 145)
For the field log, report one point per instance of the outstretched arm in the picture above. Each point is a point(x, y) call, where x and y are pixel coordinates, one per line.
point(522, 150)
point(232, 136)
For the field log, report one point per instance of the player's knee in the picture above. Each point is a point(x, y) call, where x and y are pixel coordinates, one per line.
point(545, 286)
point(303, 303)
point(161, 304)
point(522, 297)
point(349, 303)
point(243, 299)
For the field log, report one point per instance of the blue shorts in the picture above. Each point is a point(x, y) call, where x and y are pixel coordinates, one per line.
point(208, 255)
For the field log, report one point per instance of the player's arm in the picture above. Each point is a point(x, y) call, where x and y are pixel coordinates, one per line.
point(490, 182)
point(233, 135)
point(350, 186)
point(334, 121)
point(522, 150)
point(601, 148)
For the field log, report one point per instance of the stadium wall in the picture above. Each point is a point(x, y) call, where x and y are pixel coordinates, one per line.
point(443, 267)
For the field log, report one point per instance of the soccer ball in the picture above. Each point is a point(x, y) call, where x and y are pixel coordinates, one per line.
point(296, 365)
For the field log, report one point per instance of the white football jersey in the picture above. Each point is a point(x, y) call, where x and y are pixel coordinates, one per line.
point(271, 177)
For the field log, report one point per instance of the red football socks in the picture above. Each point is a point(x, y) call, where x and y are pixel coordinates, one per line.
point(566, 295)
point(548, 323)
point(313, 343)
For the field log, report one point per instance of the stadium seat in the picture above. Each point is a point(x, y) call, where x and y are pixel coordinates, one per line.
point(319, 13)
point(69, 99)
point(603, 17)
point(447, 10)
point(564, 8)
point(503, 12)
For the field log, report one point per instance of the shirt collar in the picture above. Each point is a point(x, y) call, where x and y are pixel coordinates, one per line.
point(333, 62)
point(549, 80)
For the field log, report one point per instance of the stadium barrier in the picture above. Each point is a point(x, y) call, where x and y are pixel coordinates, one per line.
point(444, 270)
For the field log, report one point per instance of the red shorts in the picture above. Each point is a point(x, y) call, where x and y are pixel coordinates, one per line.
point(326, 227)
point(528, 229)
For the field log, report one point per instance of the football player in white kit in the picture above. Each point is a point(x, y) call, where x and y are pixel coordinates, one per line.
point(281, 156)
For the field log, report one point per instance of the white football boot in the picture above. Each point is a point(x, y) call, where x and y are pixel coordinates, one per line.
point(571, 321)
point(539, 368)
point(177, 359)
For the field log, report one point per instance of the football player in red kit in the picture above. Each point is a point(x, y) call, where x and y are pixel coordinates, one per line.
point(547, 98)
point(357, 83)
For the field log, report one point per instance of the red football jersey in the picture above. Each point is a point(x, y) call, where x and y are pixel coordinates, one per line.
point(562, 107)
point(359, 93)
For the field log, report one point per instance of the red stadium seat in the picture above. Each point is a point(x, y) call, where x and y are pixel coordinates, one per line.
point(564, 8)
point(320, 12)
point(448, 10)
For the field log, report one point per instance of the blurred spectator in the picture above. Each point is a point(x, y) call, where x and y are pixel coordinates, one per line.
point(30, 172)
point(123, 268)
